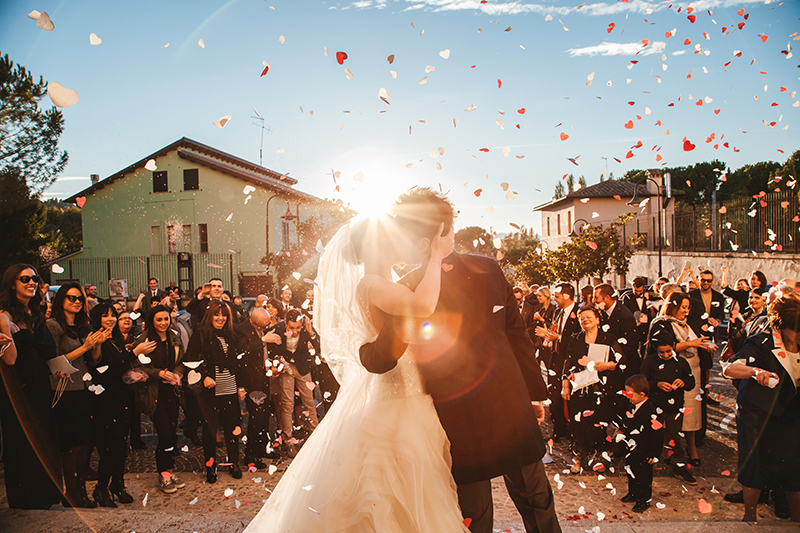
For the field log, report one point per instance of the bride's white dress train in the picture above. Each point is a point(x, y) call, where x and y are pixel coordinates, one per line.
point(379, 461)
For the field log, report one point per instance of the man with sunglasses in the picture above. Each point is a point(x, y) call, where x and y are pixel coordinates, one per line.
point(707, 313)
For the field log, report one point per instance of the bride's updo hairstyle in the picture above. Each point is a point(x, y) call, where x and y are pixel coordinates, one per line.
point(421, 211)
point(371, 234)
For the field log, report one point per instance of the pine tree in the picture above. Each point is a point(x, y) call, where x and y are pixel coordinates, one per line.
point(28, 135)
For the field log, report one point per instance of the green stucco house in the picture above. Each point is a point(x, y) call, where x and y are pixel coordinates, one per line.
point(187, 202)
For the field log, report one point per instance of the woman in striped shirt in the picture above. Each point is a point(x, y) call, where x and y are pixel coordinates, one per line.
point(212, 346)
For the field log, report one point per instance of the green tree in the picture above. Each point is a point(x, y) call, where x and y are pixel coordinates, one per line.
point(302, 258)
point(474, 240)
point(632, 176)
point(748, 180)
point(28, 136)
point(581, 182)
point(515, 246)
point(63, 228)
point(533, 268)
point(787, 172)
point(570, 183)
point(559, 191)
point(22, 217)
point(595, 251)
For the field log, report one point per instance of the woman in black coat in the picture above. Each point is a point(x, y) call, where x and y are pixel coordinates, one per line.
point(212, 346)
point(159, 354)
point(109, 406)
point(768, 407)
point(69, 326)
point(31, 457)
point(591, 408)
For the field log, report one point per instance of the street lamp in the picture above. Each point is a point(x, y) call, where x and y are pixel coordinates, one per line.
point(635, 201)
point(573, 234)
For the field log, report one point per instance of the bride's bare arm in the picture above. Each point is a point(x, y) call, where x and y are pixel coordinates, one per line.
point(399, 300)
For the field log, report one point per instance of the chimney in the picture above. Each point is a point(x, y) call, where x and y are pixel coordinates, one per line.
point(95, 178)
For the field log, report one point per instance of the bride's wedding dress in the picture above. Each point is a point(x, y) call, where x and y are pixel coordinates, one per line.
point(379, 461)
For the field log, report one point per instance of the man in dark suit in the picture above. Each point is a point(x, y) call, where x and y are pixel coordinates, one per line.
point(565, 325)
point(150, 297)
point(643, 443)
point(618, 321)
point(251, 347)
point(706, 316)
point(477, 362)
point(197, 306)
point(638, 302)
point(296, 333)
point(525, 309)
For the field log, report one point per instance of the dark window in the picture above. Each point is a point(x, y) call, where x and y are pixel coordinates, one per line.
point(286, 229)
point(160, 181)
point(191, 179)
point(203, 237)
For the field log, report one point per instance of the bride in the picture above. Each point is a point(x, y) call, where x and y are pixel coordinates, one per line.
point(380, 460)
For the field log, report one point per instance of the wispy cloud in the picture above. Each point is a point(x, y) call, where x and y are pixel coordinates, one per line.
point(596, 9)
point(618, 49)
point(364, 4)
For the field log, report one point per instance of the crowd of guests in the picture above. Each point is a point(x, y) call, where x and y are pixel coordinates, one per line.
point(652, 347)
point(628, 373)
point(78, 373)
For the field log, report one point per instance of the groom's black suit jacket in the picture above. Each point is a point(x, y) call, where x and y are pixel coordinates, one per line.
point(479, 365)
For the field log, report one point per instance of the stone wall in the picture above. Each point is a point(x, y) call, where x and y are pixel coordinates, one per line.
point(775, 266)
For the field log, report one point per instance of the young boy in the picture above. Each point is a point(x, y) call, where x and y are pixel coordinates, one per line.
point(669, 376)
point(643, 442)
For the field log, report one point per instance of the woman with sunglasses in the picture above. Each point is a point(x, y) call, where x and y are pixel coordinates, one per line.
point(69, 326)
point(30, 442)
point(159, 354)
point(212, 345)
point(109, 420)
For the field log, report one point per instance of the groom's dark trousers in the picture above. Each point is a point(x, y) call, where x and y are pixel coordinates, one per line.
point(479, 365)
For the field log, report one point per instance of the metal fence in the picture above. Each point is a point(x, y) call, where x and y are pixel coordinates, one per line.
point(137, 270)
point(742, 224)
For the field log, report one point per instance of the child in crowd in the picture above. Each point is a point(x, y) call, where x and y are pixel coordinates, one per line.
point(669, 376)
point(643, 442)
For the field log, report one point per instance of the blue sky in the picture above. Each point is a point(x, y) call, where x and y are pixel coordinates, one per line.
point(138, 95)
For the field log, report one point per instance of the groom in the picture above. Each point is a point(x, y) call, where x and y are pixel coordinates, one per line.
point(478, 363)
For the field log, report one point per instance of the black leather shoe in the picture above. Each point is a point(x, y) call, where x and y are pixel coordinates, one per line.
point(138, 444)
point(121, 494)
point(781, 504)
point(103, 497)
point(628, 498)
point(211, 474)
point(640, 507)
point(738, 497)
point(236, 472)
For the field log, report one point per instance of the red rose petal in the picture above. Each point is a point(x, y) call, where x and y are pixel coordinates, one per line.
point(629, 125)
point(564, 136)
point(340, 57)
point(688, 146)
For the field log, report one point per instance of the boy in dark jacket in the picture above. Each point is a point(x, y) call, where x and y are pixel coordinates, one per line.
point(643, 443)
point(669, 376)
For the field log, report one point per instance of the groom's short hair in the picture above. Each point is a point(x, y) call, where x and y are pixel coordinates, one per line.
point(421, 210)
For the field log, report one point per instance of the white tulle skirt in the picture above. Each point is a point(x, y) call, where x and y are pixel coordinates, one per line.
point(378, 462)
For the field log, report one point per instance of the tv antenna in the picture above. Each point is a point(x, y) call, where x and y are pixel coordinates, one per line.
point(263, 127)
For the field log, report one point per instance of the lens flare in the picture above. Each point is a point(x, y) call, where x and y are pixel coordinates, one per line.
point(426, 331)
